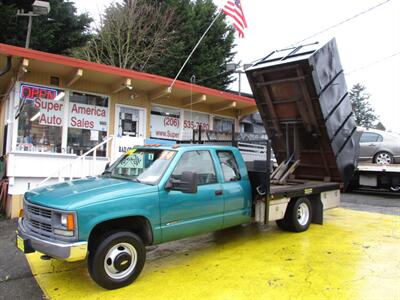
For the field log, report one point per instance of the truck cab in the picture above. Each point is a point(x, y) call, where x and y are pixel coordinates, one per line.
point(150, 195)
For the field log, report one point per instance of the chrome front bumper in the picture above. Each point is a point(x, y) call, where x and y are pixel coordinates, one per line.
point(66, 251)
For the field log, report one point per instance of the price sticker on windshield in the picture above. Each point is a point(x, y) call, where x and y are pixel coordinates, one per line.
point(134, 161)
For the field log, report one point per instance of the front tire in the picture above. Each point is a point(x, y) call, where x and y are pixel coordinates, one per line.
point(297, 216)
point(117, 259)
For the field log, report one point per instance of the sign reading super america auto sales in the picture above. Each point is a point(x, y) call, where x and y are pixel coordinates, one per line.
point(88, 117)
point(49, 111)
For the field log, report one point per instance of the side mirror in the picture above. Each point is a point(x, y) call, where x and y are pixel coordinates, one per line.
point(187, 184)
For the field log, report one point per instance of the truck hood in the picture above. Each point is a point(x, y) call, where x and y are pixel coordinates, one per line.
point(74, 194)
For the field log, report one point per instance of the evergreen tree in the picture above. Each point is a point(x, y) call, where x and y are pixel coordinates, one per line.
point(363, 111)
point(59, 32)
point(158, 36)
point(208, 63)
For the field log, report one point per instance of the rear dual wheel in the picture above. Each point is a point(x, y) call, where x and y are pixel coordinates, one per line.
point(297, 216)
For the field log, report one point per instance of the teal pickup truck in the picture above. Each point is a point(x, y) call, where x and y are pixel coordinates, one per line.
point(155, 194)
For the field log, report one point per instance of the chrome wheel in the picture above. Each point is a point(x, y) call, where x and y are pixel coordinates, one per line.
point(383, 158)
point(303, 214)
point(395, 188)
point(120, 261)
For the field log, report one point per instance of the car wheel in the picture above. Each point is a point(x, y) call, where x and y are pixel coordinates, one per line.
point(395, 188)
point(117, 259)
point(297, 216)
point(383, 158)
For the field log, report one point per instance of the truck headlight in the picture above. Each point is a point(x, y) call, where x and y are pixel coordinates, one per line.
point(64, 220)
point(67, 222)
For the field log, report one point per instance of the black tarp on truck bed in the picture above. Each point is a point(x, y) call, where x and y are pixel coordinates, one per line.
point(302, 97)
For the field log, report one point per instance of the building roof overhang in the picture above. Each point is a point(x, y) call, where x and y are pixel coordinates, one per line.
point(116, 79)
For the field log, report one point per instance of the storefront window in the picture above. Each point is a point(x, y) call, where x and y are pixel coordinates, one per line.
point(192, 120)
point(222, 124)
point(40, 119)
point(87, 123)
point(165, 123)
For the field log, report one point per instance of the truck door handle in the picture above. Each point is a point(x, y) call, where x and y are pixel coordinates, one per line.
point(219, 192)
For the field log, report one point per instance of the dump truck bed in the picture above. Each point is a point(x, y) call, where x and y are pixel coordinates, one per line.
point(302, 98)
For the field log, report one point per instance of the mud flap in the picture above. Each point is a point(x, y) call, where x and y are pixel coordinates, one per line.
point(317, 209)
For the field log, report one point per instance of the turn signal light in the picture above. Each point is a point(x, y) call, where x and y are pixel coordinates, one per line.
point(21, 213)
point(70, 222)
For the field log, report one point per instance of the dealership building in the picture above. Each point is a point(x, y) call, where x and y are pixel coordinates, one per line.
point(54, 109)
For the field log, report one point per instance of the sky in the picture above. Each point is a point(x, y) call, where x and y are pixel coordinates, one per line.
point(369, 45)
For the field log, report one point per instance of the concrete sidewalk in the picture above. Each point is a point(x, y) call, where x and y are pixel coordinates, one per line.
point(16, 279)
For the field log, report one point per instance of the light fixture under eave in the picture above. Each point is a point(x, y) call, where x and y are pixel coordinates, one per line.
point(59, 96)
point(35, 117)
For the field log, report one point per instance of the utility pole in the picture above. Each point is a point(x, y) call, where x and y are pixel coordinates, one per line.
point(234, 68)
point(39, 8)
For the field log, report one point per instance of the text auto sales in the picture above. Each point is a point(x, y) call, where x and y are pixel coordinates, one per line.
point(47, 107)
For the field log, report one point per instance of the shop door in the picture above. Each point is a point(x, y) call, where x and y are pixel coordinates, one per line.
point(130, 128)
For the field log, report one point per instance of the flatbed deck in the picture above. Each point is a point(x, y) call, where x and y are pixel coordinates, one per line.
point(297, 188)
point(378, 168)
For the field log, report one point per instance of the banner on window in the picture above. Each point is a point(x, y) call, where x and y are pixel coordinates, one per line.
point(192, 120)
point(164, 127)
point(50, 112)
point(88, 117)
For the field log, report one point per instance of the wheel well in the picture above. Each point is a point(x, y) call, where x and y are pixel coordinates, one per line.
point(137, 224)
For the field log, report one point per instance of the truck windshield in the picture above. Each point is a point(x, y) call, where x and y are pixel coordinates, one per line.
point(141, 165)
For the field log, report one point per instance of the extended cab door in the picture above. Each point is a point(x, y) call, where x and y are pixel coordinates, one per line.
point(236, 189)
point(184, 214)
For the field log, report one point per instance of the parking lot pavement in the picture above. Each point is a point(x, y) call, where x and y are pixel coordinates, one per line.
point(352, 256)
point(372, 202)
point(16, 279)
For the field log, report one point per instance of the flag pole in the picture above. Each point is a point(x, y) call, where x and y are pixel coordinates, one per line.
point(194, 49)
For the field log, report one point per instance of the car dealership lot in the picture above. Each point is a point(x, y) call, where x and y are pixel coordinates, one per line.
point(351, 257)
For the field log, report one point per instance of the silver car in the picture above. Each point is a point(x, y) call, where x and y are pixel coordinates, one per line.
point(379, 147)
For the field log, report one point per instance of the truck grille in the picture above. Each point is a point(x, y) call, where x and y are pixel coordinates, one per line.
point(38, 220)
point(39, 211)
point(40, 226)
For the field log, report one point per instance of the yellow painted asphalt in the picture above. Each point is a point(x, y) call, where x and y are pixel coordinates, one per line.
point(354, 255)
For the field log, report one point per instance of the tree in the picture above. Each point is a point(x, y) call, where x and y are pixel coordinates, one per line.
point(59, 32)
point(157, 37)
point(131, 35)
point(363, 111)
point(208, 64)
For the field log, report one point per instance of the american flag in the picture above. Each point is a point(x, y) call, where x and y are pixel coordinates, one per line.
point(233, 9)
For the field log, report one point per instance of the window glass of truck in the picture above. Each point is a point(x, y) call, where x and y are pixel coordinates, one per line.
point(229, 166)
point(199, 162)
point(141, 165)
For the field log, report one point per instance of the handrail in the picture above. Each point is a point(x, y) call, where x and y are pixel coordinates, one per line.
point(70, 164)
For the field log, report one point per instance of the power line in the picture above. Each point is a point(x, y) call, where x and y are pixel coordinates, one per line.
point(323, 31)
point(336, 25)
point(372, 63)
point(344, 21)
